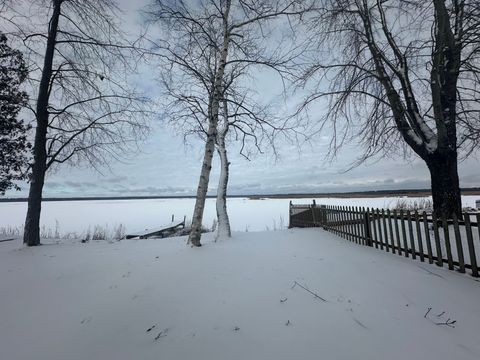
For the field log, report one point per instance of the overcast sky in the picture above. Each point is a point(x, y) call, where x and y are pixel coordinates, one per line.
point(166, 166)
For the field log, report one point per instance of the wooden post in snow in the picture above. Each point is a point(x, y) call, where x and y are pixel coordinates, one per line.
point(313, 213)
point(290, 215)
point(368, 235)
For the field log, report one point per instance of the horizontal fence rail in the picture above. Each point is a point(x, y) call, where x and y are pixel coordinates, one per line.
point(446, 242)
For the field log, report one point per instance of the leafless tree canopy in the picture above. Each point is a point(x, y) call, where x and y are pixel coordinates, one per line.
point(208, 49)
point(375, 53)
point(190, 42)
point(80, 64)
point(93, 114)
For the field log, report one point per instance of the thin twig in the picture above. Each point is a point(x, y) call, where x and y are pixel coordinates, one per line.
point(161, 334)
point(429, 309)
point(151, 328)
point(449, 323)
point(309, 291)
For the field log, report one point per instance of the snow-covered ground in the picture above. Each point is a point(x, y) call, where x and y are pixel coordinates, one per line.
point(231, 300)
point(245, 214)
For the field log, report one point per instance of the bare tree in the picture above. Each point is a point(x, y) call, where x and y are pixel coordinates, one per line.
point(224, 229)
point(84, 109)
point(214, 44)
point(242, 119)
point(401, 75)
point(254, 126)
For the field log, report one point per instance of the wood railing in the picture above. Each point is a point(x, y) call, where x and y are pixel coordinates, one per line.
point(452, 242)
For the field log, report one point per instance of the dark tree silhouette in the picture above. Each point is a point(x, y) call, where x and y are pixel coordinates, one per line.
point(13, 138)
point(401, 75)
point(84, 109)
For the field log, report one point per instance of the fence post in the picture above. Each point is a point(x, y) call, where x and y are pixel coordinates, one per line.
point(323, 216)
point(368, 235)
point(313, 213)
point(290, 215)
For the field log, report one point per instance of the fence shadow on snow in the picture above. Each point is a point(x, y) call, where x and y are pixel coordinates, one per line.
point(446, 242)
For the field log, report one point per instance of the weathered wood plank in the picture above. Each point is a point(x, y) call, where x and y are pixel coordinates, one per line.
point(342, 222)
point(347, 224)
point(379, 226)
point(143, 234)
point(390, 230)
point(458, 244)
point(353, 228)
point(361, 225)
point(397, 232)
point(410, 233)
point(368, 228)
point(448, 248)
point(438, 248)
point(357, 227)
point(385, 233)
point(419, 237)
point(471, 246)
point(404, 233)
point(374, 228)
point(427, 237)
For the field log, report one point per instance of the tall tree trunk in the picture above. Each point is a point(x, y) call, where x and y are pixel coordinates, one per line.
point(224, 230)
point(31, 235)
point(445, 184)
point(446, 61)
point(196, 232)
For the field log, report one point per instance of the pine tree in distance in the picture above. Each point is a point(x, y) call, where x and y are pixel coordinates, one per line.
point(13, 140)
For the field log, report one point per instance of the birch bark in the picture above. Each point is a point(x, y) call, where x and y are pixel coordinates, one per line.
point(196, 231)
point(224, 230)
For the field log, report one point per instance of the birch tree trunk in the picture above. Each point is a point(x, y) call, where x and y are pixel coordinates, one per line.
point(31, 236)
point(196, 231)
point(224, 230)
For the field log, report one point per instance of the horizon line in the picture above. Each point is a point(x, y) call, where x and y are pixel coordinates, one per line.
point(375, 193)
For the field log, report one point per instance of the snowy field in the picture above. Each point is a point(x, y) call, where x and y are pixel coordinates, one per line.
point(159, 299)
point(245, 214)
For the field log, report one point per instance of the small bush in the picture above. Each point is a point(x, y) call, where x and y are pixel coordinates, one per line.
point(99, 233)
point(119, 232)
point(11, 231)
point(423, 204)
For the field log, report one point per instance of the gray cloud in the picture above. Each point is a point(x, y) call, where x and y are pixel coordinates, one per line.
point(166, 166)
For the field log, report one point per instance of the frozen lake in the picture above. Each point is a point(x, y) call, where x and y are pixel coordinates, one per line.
point(245, 214)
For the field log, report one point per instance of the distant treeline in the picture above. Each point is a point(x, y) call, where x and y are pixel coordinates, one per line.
point(352, 194)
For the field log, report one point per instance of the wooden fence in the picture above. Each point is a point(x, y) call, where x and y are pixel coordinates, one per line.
point(453, 242)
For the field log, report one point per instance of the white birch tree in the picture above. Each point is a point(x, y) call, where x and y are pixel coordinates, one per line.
point(208, 42)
